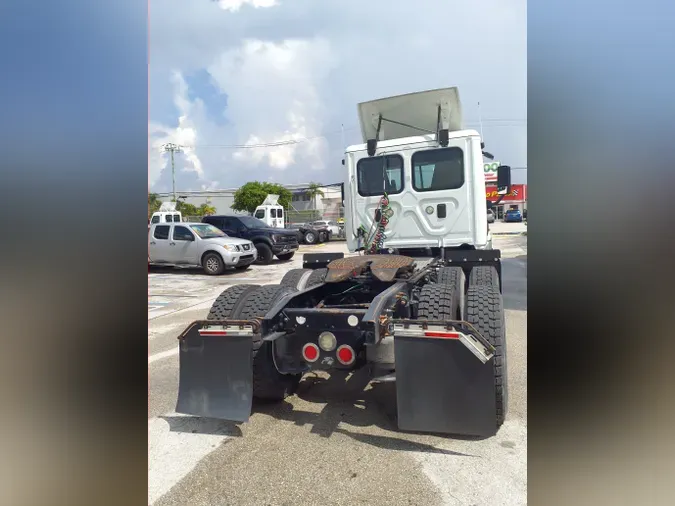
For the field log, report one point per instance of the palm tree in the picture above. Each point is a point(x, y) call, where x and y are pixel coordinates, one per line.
point(207, 210)
point(313, 191)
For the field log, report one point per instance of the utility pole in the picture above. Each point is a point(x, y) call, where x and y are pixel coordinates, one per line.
point(480, 121)
point(173, 148)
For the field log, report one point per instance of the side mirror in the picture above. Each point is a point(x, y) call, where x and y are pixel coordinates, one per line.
point(503, 180)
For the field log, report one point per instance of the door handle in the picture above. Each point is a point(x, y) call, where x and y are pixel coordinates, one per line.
point(441, 211)
point(172, 243)
point(153, 242)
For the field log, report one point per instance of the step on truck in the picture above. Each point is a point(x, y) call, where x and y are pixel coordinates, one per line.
point(418, 302)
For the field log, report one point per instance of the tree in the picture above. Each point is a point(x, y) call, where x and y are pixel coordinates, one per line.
point(187, 209)
point(313, 191)
point(252, 194)
point(206, 210)
point(153, 204)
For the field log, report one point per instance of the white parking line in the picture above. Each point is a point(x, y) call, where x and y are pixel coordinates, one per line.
point(163, 354)
point(176, 444)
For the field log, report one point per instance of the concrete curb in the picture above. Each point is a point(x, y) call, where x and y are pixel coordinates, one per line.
point(495, 234)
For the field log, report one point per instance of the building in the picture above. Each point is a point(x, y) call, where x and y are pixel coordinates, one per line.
point(517, 199)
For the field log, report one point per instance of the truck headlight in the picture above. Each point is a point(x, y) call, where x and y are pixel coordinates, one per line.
point(228, 247)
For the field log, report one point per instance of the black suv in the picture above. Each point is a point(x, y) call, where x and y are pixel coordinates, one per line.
point(268, 241)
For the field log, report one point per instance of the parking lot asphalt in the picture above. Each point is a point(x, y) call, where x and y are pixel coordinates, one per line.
point(336, 441)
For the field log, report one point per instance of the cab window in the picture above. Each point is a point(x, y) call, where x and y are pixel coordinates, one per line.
point(182, 234)
point(162, 232)
point(379, 174)
point(438, 169)
point(260, 214)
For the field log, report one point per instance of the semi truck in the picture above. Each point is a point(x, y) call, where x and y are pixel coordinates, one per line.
point(417, 302)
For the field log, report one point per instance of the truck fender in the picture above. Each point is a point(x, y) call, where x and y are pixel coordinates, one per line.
point(201, 258)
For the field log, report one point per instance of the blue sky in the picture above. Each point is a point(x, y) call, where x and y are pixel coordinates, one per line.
point(248, 72)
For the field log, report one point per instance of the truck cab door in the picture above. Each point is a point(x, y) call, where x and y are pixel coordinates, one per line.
point(233, 228)
point(262, 214)
point(158, 247)
point(183, 246)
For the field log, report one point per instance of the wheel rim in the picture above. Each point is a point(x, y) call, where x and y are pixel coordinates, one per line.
point(310, 237)
point(212, 264)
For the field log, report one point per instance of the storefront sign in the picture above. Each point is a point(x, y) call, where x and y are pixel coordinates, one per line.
point(518, 193)
point(491, 171)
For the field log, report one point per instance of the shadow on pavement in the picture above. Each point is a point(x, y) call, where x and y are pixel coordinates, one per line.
point(347, 399)
point(194, 271)
point(198, 425)
point(198, 271)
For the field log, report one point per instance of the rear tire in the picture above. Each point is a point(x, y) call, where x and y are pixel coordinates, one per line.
point(268, 383)
point(438, 302)
point(292, 278)
point(484, 275)
point(454, 277)
point(265, 255)
point(213, 264)
point(316, 278)
point(485, 311)
point(286, 256)
point(226, 303)
point(310, 237)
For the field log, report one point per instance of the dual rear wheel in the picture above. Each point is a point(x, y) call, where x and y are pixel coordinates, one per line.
point(478, 302)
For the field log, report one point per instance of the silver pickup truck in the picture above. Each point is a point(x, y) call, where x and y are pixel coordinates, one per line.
point(198, 244)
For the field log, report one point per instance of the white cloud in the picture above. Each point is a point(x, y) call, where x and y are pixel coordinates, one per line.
point(297, 71)
point(184, 135)
point(274, 97)
point(235, 5)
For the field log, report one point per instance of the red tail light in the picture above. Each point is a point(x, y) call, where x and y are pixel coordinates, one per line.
point(345, 354)
point(310, 352)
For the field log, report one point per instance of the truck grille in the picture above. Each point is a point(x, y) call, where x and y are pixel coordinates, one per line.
point(288, 239)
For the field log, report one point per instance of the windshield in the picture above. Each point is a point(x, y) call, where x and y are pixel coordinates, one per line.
point(251, 222)
point(206, 231)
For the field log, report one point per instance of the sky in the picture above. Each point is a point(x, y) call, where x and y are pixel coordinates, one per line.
point(230, 74)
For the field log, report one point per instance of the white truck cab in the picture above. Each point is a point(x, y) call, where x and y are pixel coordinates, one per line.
point(431, 169)
point(167, 214)
point(270, 212)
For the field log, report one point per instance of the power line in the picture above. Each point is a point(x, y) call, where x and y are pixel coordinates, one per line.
point(291, 142)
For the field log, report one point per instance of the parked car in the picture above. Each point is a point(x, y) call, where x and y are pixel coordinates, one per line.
point(269, 242)
point(332, 226)
point(199, 245)
point(513, 215)
point(309, 234)
point(490, 216)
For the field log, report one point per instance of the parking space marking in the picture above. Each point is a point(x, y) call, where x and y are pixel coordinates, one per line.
point(163, 354)
point(176, 444)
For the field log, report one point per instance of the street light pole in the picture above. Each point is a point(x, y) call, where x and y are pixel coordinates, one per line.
point(173, 148)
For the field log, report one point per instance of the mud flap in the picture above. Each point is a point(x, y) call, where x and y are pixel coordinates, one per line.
point(216, 374)
point(443, 387)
